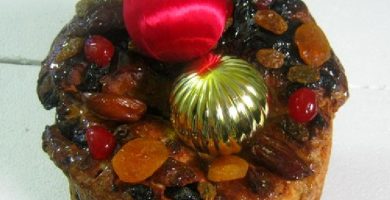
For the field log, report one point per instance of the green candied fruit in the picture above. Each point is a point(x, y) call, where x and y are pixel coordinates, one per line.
point(294, 130)
point(207, 190)
point(83, 6)
point(71, 48)
point(303, 74)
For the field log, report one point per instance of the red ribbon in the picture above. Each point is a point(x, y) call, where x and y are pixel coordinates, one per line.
point(176, 30)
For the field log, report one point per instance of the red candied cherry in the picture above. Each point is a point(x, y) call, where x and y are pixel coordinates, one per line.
point(302, 105)
point(99, 50)
point(100, 141)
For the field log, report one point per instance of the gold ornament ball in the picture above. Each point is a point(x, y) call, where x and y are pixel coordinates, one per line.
point(215, 111)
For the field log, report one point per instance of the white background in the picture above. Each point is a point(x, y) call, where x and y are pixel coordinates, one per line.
point(359, 31)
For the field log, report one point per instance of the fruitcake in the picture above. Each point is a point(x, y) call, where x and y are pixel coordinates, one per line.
point(188, 100)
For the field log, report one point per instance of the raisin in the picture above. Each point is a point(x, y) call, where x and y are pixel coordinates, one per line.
point(271, 21)
point(303, 74)
point(124, 132)
point(79, 138)
point(207, 190)
point(263, 4)
point(294, 130)
point(270, 58)
point(91, 81)
point(288, 8)
point(139, 159)
point(244, 34)
point(291, 55)
point(175, 174)
point(313, 45)
point(83, 6)
point(72, 47)
point(330, 76)
point(182, 193)
point(227, 168)
point(140, 192)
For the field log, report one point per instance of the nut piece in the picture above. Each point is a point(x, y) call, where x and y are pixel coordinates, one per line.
point(271, 21)
point(118, 108)
point(270, 58)
point(303, 74)
point(281, 159)
point(313, 45)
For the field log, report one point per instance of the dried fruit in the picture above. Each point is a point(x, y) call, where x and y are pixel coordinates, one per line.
point(139, 159)
point(175, 174)
point(71, 48)
point(271, 21)
point(270, 58)
point(289, 8)
point(91, 81)
point(313, 45)
point(263, 4)
point(278, 157)
point(296, 131)
point(207, 190)
point(118, 108)
point(227, 168)
point(140, 192)
point(99, 50)
point(83, 6)
point(182, 193)
point(303, 74)
point(100, 141)
point(121, 83)
point(302, 105)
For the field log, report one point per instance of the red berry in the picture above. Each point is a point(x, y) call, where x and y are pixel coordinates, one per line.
point(99, 50)
point(101, 142)
point(302, 105)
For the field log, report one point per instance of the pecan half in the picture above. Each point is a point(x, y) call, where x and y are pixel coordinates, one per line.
point(118, 108)
point(279, 158)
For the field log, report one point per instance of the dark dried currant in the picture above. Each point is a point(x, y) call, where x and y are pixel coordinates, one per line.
point(91, 81)
point(140, 192)
point(175, 174)
point(182, 193)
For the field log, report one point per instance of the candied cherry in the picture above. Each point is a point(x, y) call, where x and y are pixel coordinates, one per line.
point(101, 142)
point(302, 105)
point(99, 50)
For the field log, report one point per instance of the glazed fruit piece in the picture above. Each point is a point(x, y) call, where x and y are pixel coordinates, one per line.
point(119, 87)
